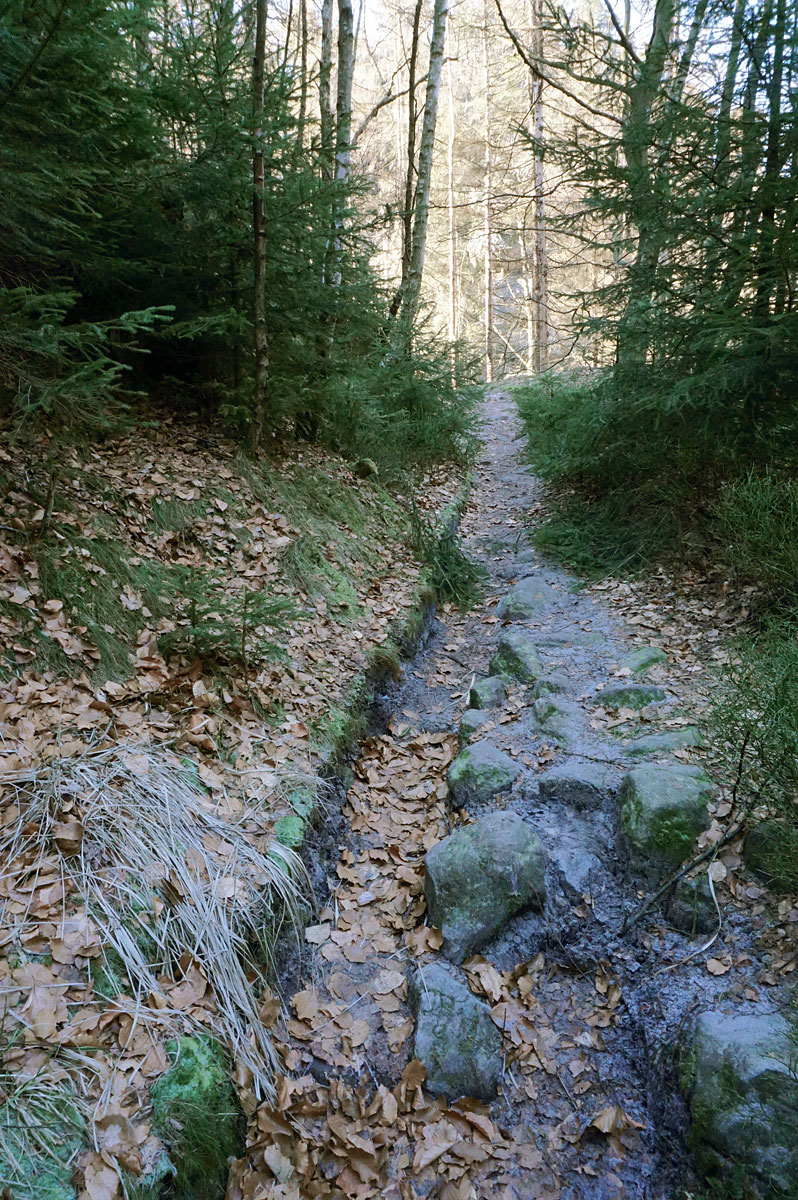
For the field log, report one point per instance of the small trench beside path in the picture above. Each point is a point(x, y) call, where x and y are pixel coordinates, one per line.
point(588, 1023)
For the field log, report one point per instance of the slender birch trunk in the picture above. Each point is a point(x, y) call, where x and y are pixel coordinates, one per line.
point(412, 290)
point(261, 341)
point(540, 274)
point(450, 199)
point(487, 222)
point(343, 108)
point(410, 166)
point(325, 91)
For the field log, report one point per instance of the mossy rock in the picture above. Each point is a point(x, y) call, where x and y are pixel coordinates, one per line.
point(455, 1037)
point(517, 656)
point(471, 720)
point(487, 693)
point(740, 1077)
point(674, 739)
point(480, 772)
point(559, 718)
point(692, 910)
point(529, 598)
point(196, 1112)
point(663, 810)
point(290, 830)
point(479, 877)
point(551, 685)
point(629, 695)
point(642, 660)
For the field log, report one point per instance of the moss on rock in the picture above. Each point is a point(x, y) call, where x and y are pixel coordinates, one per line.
point(196, 1112)
point(290, 830)
point(663, 810)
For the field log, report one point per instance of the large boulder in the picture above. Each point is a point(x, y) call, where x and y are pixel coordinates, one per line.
point(743, 1089)
point(629, 695)
point(480, 772)
point(577, 783)
point(530, 597)
point(487, 693)
point(517, 655)
point(455, 1038)
point(479, 877)
point(663, 810)
point(770, 852)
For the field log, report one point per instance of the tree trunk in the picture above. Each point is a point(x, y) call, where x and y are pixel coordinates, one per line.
point(411, 296)
point(325, 91)
point(410, 171)
point(303, 68)
point(450, 198)
point(766, 264)
point(487, 222)
point(346, 70)
point(540, 273)
point(637, 138)
point(261, 382)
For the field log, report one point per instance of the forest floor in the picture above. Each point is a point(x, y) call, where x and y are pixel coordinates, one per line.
point(157, 728)
point(591, 1021)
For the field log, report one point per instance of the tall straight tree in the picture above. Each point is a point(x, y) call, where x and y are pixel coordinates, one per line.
point(411, 289)
point(261, 380)
point(540, 263)
point(487, 204)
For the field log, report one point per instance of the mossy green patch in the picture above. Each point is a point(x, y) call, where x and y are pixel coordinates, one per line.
point(196, 1112)
point(290, 831)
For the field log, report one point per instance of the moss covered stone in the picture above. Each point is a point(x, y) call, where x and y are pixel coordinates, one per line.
point(554, 684)
point(290, 830)
point(674, 739)
point(479, 877)
point(559, 718)
point(196, 1112)
point(743, 1091)
point(517, 656)
point(642, 660)
point(663, 810)
point(529, 598)
point(629, 695)
point(691, 909)
point(487, 693)
point(471, 720)
point(480, 772)
point(455, 1037)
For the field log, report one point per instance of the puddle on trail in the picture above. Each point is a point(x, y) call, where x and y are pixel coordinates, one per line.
point(588, 1104)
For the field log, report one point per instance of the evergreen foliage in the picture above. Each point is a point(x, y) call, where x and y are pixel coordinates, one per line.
point(126, 240)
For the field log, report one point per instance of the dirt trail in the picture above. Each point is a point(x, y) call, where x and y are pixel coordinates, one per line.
point(588, 1104)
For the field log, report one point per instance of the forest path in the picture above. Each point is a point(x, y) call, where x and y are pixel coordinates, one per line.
point(585, 1097)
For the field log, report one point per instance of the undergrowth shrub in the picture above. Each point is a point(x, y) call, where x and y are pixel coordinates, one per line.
point(404, 413)
point(758, 516)
point(224, 627)
point(452, 575)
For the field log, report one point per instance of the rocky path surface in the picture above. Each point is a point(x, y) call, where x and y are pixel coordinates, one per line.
point(472, 1023)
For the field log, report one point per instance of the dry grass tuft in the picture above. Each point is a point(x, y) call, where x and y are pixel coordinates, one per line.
point(175, 889)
